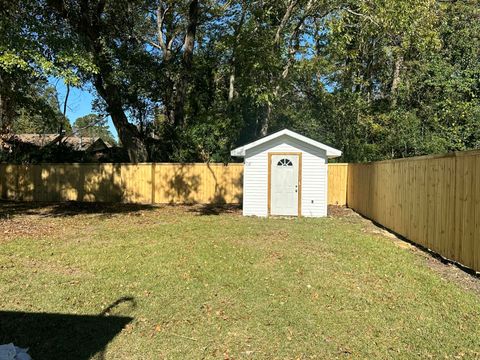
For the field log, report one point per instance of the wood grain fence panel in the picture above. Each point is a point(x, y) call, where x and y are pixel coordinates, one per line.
point(449, 213)
point(134, 183)
point(459, 209)
point(430, 184)
point(337, 184)
point(9, 183)
point(434, 201)
point(409, 199)
point(466, 207)
point(423, 203)
point(25, 182)
point(42, 190)
point(198, 183)
point(3, 182)
point(476, 250)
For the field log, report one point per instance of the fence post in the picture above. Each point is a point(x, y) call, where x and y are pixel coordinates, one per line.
point(153, 183)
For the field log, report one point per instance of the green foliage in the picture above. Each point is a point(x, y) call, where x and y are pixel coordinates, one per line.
point(32, 49)
point(40, 113)
point(93, 125)
point(429, 106)
point(377, 79)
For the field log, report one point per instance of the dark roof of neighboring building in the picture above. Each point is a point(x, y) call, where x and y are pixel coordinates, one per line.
point(78, 143)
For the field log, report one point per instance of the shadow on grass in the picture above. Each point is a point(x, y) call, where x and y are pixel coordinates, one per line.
point(10, 209)
point(215, 209)
point(62, 336)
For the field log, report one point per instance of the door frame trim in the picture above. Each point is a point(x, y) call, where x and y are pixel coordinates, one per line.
point(269, 185)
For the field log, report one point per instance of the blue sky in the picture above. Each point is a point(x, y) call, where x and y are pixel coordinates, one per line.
point(79, 102)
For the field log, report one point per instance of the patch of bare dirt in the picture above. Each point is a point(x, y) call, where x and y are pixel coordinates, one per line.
point(452, 272)
point(344, 213)
point(448, 270)
point(42, 220)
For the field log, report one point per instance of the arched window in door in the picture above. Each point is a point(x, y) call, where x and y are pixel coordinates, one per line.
point(285, 162)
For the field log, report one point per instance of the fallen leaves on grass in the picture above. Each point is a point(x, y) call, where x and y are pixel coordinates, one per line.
point(25, 227)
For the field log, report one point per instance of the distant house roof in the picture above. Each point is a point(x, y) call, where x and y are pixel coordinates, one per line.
point(35, 139)
point(83, 143)
point(331, 152)
point(78, 143)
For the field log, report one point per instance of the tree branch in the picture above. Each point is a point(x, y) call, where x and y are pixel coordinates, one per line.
point(361, 15)
point(283, 23)
point(66, 100)
point(160, 17)
point(238, 30)
point(188, 44)
point(154, 44)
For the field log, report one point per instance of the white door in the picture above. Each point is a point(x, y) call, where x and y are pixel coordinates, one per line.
point(284, 185)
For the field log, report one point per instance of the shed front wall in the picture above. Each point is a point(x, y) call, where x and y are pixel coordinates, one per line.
point(314, 177)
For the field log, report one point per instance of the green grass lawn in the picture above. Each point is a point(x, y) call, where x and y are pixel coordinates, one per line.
point(171, 283)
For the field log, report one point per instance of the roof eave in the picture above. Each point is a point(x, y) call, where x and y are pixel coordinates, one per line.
point(330, 152)
point(238, 152)
point(333, 156)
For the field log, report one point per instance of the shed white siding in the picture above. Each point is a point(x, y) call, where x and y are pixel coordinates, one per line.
point(314, 177)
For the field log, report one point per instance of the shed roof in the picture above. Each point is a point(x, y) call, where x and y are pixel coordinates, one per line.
point(331, 152)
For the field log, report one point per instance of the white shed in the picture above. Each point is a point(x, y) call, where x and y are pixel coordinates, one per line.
point(285, 173)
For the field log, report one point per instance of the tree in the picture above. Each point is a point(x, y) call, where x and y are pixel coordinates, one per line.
point(93, 125)
point(102, 30)
point(41, 114)
point(27, 102)
point(187, 80)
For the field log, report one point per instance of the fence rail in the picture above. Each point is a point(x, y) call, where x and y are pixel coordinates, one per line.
point(433, 201)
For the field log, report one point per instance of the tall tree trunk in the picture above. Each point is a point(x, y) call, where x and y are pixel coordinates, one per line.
point(292, 48)
point(396, 79)
point(187, 60)
point(128, 133)
point(177, 74)
point(88, 24)
point(7, 106)
point(266, 121)
point(233, 65)
point(286, 17)
point(231, 85)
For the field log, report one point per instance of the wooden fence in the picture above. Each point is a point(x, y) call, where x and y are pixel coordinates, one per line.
point(337, 184)
point(130, 183)
point(433, 201)
point(138, 183)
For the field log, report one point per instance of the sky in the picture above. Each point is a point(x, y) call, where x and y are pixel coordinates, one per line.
point(79, 102)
